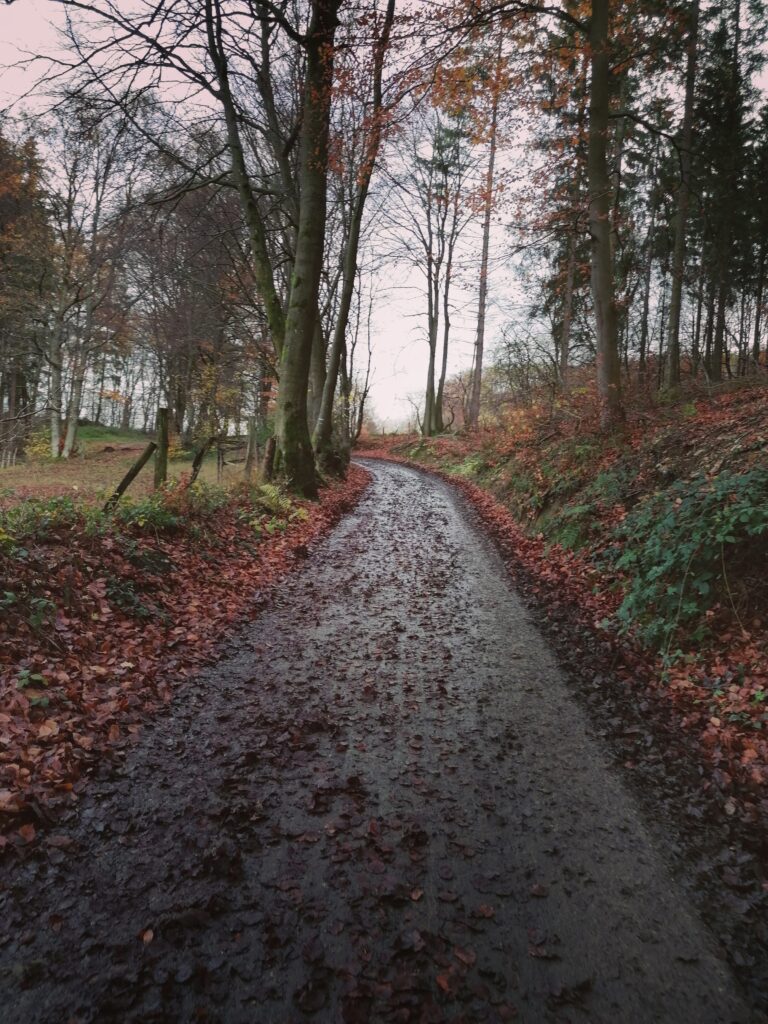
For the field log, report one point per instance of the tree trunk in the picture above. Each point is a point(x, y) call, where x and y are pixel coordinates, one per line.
point(758, 309)
point(55, 356)
point(608, 366)
point(318, 374)
point(672, 376)
point(161, 457)
point(565, 334)
point(439, 421)
point(296, 455)
point(323, 434)
point(473, 412)
point(75, 401)
point(716, 368)
point(125, 416)
point(696, 340)
point(709, 329)
point(428, 421)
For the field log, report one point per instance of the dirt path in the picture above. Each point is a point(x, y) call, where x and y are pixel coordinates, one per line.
point(382, 806)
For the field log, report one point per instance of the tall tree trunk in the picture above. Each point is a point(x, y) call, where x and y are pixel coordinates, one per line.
point(428, 422)
point(759, 307)
point(473, 412)
point(297, 457)
point(608, 366)
point(709, 329)
point(696, 340)
point(716, 368)
point(318, 374)
point(75, 401)
point(100, 396)
point(55, 358)
point(680, 224)
point(439, 421)
point(265, 281)
point(125, 416)
point(323, 435)
point(743, 345)
point(565, 333)
point(662, 335)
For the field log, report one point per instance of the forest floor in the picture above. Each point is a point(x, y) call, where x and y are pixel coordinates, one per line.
point(105, 615)
point(385, 803)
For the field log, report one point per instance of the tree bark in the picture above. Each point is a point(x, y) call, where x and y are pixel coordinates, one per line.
point(55, 357)
point(565, 334)
point(718, 343)
point(608, 366)
point(473, 412)
point(758, 308)
point(324, 426)
point(75, 401)
point(672, 376)
point(251, 450)
point(161, 458)
point(318, 374)
point(292, 430)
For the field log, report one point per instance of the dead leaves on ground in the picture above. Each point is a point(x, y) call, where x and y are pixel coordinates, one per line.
point(132, 621)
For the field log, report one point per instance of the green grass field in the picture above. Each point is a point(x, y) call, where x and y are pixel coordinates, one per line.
point(94, 472)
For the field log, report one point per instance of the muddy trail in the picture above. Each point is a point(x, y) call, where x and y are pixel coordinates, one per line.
point(381, 805)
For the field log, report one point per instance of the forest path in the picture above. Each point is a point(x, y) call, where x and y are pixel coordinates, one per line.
point(382, 805)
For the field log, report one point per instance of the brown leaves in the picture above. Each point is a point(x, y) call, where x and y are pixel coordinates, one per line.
point(134, 619)
point(27, 833)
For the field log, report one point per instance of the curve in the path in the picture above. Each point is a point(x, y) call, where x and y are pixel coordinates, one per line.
point(382, 806)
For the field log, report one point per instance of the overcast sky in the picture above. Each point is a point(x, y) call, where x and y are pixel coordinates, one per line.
point(398, 324)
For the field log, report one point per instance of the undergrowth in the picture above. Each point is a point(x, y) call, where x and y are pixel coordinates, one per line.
point(175, 511)
point(681, 548)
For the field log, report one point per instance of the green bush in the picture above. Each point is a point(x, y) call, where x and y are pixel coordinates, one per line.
point(150, 513)
point(199, 500)
point(675, 548)
point(37, 517)
point(570, 527)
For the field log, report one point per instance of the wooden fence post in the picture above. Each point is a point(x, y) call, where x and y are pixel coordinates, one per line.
point(161, 458)
point(131, 475)
point(198, 460)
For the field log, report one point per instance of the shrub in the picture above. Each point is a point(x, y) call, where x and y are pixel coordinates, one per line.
point(37, 517)
point(675, 547)
point(150, 513)
point(38, 444)
point(199, 500)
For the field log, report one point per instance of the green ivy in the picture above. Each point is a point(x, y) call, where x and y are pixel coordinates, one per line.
point(675, 549)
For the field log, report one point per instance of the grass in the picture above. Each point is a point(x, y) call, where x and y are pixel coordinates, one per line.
point(94, 473)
